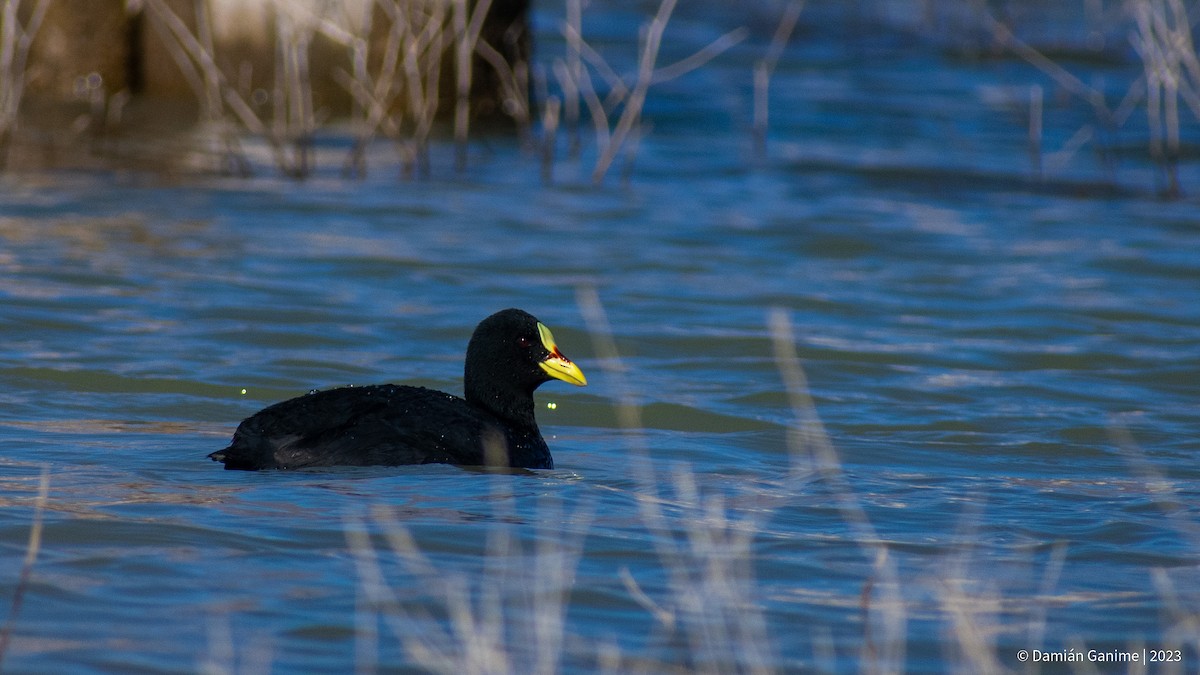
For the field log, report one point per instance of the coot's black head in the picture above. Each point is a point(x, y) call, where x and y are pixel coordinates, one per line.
point(510, 355)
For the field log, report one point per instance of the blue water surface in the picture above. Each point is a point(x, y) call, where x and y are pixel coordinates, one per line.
point(1001, 456)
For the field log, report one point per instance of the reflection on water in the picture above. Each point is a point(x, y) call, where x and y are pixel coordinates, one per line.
point(977, 346)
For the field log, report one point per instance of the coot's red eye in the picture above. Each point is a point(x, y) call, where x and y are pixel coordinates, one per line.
point(525, 342)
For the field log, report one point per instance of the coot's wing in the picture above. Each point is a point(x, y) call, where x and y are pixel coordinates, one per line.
point(376, 425)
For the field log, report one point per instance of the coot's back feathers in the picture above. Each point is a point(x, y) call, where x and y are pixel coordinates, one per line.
point(509, 356)
point(382, 424)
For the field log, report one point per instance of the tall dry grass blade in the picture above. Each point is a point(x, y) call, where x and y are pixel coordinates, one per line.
point(367, 599)
point(1165, 491)
point(376, 598)
point(970, 614)
point(31, 554)
point(514, 89)
point(361, 105)
point(632, 145)
point(509, 617)
point(629, 416)
point(374, 95)
point(706, 550)
point(698, 577)
point(709, 565)
point(1184, 632)
point(1059, 159)
point(257, 653)
point(557, 556)
point(976, 648)
point(401, 97)
point(220, 658)
point(202, 12)
point(1035, 635)
point(812, 450)
point(663, 616)
point(573, 75)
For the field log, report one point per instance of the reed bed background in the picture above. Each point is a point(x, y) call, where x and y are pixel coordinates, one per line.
point(398, 54)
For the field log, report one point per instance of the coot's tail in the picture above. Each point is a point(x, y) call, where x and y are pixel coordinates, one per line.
point(231, 460)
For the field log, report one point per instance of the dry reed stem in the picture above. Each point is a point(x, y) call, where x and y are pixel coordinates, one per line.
point(629, 416)
point(710, 575)
point(706, 550)
point(596, 110)
point(812, 449)
point(31, 554)
point(294, 120)
point(15, 41)
point(192, 55)
point(223, 656)
point(1184, 633)
point(618, 90)
point(700, 57)
point(424, 93)
point(1035, 129)
point(409, 66)
point(294, 115)
point(519, 598)
point(467, 25)
point(631, 113)
point(970, 613)
point(1159, 485)
point(551, 114)
point(1060, 75)
point(575, 79)
point(1107, 119)
point(1181, 605)
point(1163, 40)
point(765, 67)
point(422, 39)
point(1036, 633)
point(572, 73)
point(514, 88)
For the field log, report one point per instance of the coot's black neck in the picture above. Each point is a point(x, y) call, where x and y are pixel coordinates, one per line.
point(513, 407)
point(526, 447)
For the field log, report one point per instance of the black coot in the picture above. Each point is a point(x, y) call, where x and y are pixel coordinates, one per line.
point(510, 354)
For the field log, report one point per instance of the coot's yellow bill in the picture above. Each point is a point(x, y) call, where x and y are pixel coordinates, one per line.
point(556, 365)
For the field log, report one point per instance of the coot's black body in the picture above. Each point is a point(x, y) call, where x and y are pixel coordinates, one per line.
point(509, 356)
